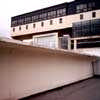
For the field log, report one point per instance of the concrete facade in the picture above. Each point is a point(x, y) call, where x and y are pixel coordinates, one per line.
point(66, 23)
point(27, 70)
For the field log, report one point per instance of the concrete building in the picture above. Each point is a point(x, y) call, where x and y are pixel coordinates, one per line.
point(68, 25)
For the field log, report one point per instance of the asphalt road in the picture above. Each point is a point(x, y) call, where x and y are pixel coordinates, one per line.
point(84, 90)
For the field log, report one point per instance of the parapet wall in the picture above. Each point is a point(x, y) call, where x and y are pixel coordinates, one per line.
point(27, 70)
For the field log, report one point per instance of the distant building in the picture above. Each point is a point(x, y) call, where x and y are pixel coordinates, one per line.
point(68, 25)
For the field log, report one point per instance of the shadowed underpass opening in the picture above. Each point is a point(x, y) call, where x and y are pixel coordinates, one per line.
point(84, 90)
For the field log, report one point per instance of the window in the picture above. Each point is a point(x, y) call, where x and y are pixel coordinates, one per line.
point(81, 8)
point(42, 24)
point(25, 20)
point(86, 28)
point(81, 16)
point(51, 22)
point(44, 15)
point(91, 5)
point(40, 16)
point(20, 28)
point(85, 8)
point(54, 14)
point(32, 18)
point(14, 23)
point(64, 11)
point(13, 29)
point(60, 20)
point(93, 14)
point(61, 12)
point(49, 14)
point(36, 17)
point(34, 25)
point(26, 26)
point(45, 41)
point(28, 19)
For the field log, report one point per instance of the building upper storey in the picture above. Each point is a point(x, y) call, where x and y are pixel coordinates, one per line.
point(60, 10)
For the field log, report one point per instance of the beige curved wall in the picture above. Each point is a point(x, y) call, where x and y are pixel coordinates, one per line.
point(26, 70)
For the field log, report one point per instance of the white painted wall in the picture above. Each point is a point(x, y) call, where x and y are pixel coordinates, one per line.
point(67, 22)
point(26, 70)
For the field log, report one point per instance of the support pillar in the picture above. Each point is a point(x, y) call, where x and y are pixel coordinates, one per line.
point(75, 44)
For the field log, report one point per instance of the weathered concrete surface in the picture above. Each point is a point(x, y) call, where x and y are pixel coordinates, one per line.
point(27, 70)
point(89, 51)
point(85, 90)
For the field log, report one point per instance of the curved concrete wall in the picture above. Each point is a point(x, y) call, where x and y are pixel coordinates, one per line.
point(26, 70)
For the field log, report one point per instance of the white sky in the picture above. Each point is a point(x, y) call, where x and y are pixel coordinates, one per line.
point(9, 8)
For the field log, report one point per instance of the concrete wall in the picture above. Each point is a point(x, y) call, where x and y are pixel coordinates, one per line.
point(96, 65)
point(26, 70)
point(67, 22)
point(89, 51)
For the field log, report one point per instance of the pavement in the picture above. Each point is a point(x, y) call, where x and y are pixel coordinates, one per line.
point(85, 90)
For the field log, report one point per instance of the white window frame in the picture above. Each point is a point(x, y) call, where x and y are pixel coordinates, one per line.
point(47, 35)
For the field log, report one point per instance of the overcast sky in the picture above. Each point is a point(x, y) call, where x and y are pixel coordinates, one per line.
point(9, 8)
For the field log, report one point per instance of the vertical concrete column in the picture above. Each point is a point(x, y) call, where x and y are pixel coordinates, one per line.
point(75, 44)
point(32, 40)
point(57, 40)
point(69, 43)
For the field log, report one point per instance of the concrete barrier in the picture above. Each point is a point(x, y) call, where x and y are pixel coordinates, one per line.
point(27, 70)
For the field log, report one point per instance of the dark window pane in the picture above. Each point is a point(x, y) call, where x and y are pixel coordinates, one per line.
point(13, 29)
point(42, 24)
point(20, 28)
point(26, 26)
point(81, 16)
point(60, 20)
point(86, 28)
point(34, 25)
point(93, 14)
point(51, 22)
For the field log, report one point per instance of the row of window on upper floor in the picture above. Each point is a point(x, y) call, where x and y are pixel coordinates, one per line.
point(42, 24)
point(52, 14)
point(85, 7)
point(60, 21)
point(39, 17)
point(93, 15)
